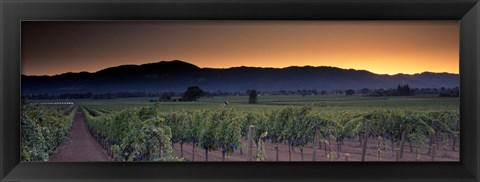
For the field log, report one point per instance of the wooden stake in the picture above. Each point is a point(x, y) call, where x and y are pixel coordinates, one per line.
point(397, 154)
point(193, 151)
point(417, 153)
point(367, 132)
point(206, 154)
point(223, 156)
point(250, 143)
point(181, 149)
point(431, 140)
point(455, 136)
point(433, 152)
point(315, 141)
point(301, 152)
point(338, 150)
point(411, 148)
point(289, 151)
point(325, 148)
point(402, 142)
point(276, 149)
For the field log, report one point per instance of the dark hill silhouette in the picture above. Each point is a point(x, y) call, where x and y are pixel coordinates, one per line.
point(177, 76)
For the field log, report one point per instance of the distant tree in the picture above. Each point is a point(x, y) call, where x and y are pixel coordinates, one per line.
point(377, 93)
point(165, 97)
point(192, 93)
point(404, 90)
point(349, 92)
point(365, 91)
point(252, 96)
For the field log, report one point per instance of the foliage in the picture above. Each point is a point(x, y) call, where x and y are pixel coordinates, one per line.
point(139, 133)
point(165, 97)
point(192, 93)
point(252, 96)
point(42, 130)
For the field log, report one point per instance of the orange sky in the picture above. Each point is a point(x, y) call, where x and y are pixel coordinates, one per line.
point(385, 47)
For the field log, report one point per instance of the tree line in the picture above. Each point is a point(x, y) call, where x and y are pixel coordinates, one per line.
point(194, 92)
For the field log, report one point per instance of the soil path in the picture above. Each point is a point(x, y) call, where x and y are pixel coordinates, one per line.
point(80, 144)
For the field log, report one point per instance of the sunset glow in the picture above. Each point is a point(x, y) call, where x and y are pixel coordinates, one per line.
point(383, 47)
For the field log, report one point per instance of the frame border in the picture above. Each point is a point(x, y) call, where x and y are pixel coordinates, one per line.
point(14, 11)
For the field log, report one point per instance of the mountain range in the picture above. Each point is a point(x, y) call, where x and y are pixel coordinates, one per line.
point(177, 75)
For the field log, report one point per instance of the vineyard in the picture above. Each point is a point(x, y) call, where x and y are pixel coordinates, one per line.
point(148, 133)
point(43, 129)
point(279, 129)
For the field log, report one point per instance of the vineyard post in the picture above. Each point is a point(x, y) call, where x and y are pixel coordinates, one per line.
point(455, 136)
point(431, 140)
point(411, 148)
point(433, 152)
point(360, 140)
point(384, 143)
point(367, 132)
point(445, 144)
point(402, 142)
point(417, 153)
point(181, 149)
point(325, 147)
point(276, 149)
point(338, 149)
point(301, 151)
point(108, 146)
point(206, 154)
point(223, 154)
point(315, 141)
point(250, 143)
point(289, 151)
point(193, 151)
point(397, 154)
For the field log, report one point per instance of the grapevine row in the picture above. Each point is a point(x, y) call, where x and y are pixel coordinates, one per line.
point(148, 134)
point(42, 130)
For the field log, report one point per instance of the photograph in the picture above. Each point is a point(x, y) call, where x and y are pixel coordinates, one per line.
point(240, 91)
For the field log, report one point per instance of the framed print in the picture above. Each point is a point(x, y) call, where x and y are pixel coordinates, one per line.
point(205, 106)
point(214, 90)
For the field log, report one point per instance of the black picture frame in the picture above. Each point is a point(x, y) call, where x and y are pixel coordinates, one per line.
point(14, 11)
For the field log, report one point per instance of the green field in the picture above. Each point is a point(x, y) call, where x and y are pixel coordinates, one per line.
point(267, 103)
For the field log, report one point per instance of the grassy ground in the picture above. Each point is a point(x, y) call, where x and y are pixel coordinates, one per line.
point(319, 103)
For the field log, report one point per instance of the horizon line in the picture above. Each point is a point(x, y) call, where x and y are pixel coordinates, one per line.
point(399, 73)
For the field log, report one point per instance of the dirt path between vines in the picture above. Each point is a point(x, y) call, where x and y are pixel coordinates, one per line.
point(80, 144)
